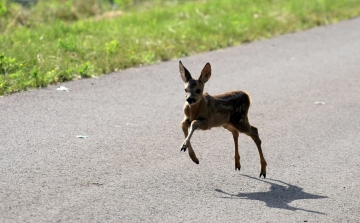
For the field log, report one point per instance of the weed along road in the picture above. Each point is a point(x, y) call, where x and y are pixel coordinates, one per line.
point(108, 149)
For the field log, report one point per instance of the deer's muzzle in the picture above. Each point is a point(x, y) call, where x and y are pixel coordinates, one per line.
point(191, 100)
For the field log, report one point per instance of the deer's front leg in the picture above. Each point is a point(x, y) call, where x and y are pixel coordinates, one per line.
point(186, 144)
point(194, 125)
point(185, 126)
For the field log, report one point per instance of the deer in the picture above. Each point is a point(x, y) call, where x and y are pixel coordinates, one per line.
point(228, 110)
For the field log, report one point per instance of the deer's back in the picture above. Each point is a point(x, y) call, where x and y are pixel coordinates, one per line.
point(230, 107)
point(234, 101)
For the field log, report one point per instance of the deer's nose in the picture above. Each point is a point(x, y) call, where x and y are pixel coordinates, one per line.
point(191, 100)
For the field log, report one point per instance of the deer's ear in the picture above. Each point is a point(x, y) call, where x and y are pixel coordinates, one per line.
point(184, 73)
point(205, 73)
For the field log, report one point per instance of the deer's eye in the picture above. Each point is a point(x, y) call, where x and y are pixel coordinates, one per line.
point(198, 91)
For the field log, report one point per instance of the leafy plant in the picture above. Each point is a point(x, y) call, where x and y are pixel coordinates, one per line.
point(85, 70)
point(8, 65)
point(112, 47)
point(3, 8)
point(67, 45)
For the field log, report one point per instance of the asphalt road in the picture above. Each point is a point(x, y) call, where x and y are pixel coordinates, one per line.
point(130, 168)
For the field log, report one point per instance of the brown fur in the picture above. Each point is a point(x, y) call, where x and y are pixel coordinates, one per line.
point(229, 110)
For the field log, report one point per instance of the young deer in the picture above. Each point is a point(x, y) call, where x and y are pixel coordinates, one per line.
point(228, 110)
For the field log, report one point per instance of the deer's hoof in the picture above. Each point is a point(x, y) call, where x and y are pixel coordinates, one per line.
point(263, 170)
point(237, 164)
point(183, 148)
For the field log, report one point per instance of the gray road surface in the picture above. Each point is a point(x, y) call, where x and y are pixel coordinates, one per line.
point(130, 168)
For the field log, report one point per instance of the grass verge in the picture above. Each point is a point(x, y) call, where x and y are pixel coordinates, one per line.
point(48, 50)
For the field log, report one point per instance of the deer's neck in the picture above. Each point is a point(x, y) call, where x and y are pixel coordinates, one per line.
point(198, 110)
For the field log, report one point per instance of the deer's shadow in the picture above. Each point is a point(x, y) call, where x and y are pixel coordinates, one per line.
point(279, 195)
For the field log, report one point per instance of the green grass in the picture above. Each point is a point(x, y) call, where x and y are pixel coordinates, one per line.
point(51, 43)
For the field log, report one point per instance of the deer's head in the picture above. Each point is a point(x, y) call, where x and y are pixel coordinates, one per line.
point(194, 88)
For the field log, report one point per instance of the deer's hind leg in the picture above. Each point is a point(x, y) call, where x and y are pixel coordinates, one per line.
point(244, 127)
point(185, 124)
point(235, 134)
